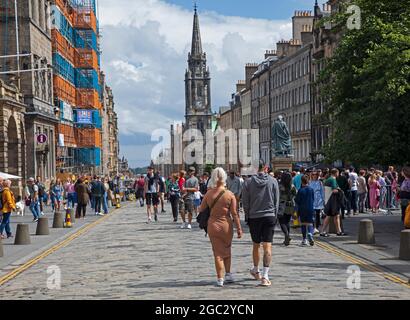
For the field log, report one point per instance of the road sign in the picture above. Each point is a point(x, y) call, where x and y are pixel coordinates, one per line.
point(42, 138)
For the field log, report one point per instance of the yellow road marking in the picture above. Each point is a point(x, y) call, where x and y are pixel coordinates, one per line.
point(11, 275)
point(364, 264)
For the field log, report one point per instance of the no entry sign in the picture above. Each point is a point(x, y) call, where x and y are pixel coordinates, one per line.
point(41, 138)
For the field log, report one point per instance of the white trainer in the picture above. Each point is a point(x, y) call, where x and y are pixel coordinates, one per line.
point(229, 278)
point(220, 283)
point(189, 227)
point(183, 226)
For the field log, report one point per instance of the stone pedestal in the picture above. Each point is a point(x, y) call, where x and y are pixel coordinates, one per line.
point(405, 245)
point(282, 163)
point(366, 232)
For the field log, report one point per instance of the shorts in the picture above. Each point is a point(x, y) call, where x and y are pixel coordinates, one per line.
point(262, 229)
point(152, 199)
point(197, 203)
point(189, 205)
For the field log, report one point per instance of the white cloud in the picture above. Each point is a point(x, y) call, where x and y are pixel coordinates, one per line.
point(145, 47)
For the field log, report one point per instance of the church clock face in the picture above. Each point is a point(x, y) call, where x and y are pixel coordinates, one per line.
point(199, 105)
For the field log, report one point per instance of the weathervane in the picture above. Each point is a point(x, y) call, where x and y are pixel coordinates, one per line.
point(195, 6)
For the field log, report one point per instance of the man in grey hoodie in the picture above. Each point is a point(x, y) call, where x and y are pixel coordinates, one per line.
point(260, 198)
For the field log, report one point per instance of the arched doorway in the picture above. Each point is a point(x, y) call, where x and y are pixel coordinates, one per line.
point(12, 147)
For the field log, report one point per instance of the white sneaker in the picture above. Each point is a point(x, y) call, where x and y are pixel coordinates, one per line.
point(183, 226)
point(189, 227)
point(42, 213)
point(229, 278)
point(220, 283)
point(304, 243)
point(316, 232)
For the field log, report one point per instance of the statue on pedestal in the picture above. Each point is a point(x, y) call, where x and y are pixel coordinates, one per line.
point(281, 140)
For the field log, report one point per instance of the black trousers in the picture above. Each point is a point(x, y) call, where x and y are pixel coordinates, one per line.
point(318, 218)
point(98, 203)
point(174, 204)
point(284, 222)
point(81, 208)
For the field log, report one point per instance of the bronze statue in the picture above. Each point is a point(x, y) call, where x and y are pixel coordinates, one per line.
point(281, 140)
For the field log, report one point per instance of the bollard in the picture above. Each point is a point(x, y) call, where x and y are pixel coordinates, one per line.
point(42, 227)
point(58, 221)
point(1, 248)
point(366, 232)
point(22, 235)
point(72, 214)
point(405, 245)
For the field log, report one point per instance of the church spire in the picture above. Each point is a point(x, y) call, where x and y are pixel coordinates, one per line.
point(196, 49)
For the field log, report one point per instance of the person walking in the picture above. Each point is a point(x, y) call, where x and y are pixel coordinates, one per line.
point(190, 187)
point(41, 194)
point(260, 198)
point(70, 193)
point(34, 199)
point(362, 190)
point(332, 190)
point(106, 186)
point(57, 191)
point(404, 191)
point(223, 214)
point(83, 198)
point(174, 196)
point(140, 183)
point(9, 204)
point(162, 190)
point(151, 190)
point(374, 190)
point(353, 184)
point(343, 183)
point(97, 191)
point(287, 194)
point(233, 184)
point(304, 201)
point(319, 200)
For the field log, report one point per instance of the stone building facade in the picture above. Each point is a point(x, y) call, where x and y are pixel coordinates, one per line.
point(325, 42)
point(36, 84)
point(12, 134)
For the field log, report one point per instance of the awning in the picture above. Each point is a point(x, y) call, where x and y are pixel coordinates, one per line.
point(9, 176)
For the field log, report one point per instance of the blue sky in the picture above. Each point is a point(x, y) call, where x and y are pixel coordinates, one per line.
point(263, 9)
point(145, 46)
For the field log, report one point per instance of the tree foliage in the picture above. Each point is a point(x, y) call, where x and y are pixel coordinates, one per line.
point(367, 86)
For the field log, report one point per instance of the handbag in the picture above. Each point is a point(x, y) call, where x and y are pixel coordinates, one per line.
point(203, 216)
point(28, 202)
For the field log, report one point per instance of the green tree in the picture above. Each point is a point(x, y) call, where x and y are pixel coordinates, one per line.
point(367, 85)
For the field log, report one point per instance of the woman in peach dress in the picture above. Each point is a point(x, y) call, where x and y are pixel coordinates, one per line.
point(220, 225)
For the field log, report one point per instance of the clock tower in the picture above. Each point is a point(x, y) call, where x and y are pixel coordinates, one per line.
point(198, 111)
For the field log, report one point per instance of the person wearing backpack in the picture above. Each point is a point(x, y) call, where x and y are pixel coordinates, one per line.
point(8, 205)
point(223, 215)
point(41, 194)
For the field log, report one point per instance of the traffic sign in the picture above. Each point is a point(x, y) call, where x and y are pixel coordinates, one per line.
point(42, 138)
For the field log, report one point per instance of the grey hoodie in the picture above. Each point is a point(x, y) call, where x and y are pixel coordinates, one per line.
point(260, 196)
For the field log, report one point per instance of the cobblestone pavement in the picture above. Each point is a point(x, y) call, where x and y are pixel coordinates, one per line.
point(124, 258)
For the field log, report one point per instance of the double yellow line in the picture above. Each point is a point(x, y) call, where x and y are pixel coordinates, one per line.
point(364, 264)
point(11, 275)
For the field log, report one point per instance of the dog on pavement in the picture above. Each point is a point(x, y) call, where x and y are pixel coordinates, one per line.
point(20, 206)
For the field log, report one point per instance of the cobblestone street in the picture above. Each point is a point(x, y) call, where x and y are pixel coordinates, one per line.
point(124, 258)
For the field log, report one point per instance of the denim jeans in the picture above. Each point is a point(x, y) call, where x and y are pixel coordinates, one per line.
point(71, 200)
point(5, 224)
point(105, 203)
point(353, 201)
point(35, 209)
point(307, 230)
point(362, 202)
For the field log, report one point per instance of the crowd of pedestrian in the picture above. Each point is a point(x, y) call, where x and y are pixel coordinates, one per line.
point(313, 199)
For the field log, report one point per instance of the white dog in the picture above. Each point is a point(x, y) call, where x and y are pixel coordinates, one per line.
point(20, 208)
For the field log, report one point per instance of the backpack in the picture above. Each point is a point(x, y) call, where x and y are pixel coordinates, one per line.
point(1, 200)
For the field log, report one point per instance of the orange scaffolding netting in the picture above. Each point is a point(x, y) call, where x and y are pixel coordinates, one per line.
point(69, 134)
point(64, 90)
point(86, 58)
point(87, 99)
point(66, 9)
point(62, 46)
point(88, 138)
point(85, 18)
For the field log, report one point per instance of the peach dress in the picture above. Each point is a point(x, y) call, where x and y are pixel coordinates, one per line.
point(220, 223)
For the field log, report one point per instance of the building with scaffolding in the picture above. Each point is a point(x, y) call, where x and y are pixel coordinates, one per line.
point(77, 85)
point(26, 63)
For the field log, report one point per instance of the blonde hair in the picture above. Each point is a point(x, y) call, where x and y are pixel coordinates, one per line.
point(218, 176)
